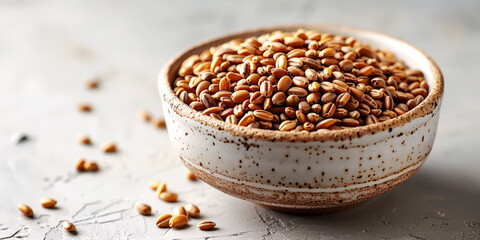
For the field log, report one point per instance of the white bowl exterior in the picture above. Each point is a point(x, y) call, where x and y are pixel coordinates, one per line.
point(303, 166)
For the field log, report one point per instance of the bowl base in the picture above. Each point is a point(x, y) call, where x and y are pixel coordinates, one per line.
point(303, 211)
point(300, 202)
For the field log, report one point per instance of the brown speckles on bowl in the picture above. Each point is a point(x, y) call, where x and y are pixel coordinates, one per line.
point(317, 171)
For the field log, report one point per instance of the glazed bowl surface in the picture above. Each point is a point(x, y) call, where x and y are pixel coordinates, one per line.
point(305, 172)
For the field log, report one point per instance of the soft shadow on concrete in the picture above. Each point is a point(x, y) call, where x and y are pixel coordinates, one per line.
point(430, 205)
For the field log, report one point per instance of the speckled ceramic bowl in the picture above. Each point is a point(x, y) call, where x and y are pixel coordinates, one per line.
point(305, 172)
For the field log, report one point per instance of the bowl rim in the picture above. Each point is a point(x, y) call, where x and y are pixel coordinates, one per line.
point(169, 71)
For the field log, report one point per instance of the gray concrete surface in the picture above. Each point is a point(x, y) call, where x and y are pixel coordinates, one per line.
point(48, 49)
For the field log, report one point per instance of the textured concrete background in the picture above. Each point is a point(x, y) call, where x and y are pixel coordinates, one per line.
point(48, 49)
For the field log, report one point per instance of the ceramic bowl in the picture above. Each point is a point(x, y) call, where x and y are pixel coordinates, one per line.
point(305, 172)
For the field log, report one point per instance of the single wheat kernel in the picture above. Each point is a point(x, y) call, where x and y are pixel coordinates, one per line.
point(145, 116)
point(109, 148)
point(163, 221)
point(180, 210)
point(69, 226)
point(159, 123)
point(92, 83)
point(25, 209)
point(48, 202)
point(191, 176)
point(153, 184)
point(143, 208)
point(178, 221)
point(84, 107)
point(161, 188)
point(192, 210)
point(91, 166)
point(206, 225)
point(80, 165)
point(168, 196)
point(84, 140)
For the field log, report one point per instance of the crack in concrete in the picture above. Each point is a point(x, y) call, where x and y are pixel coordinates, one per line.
point(416, 237)
point(228, 235)
point(15, 234)
point(164, 233)
point(269, 230)
point(52, 228)
point(112, 220)
point(83, 208)
point(214, 237)
point(144, 225)
point(41, 216)
point(274, 224)
point(4, 228)
point(61, 178)
point(93, 217)
point(107, 206)
point(11, 236)
point(475, 226)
